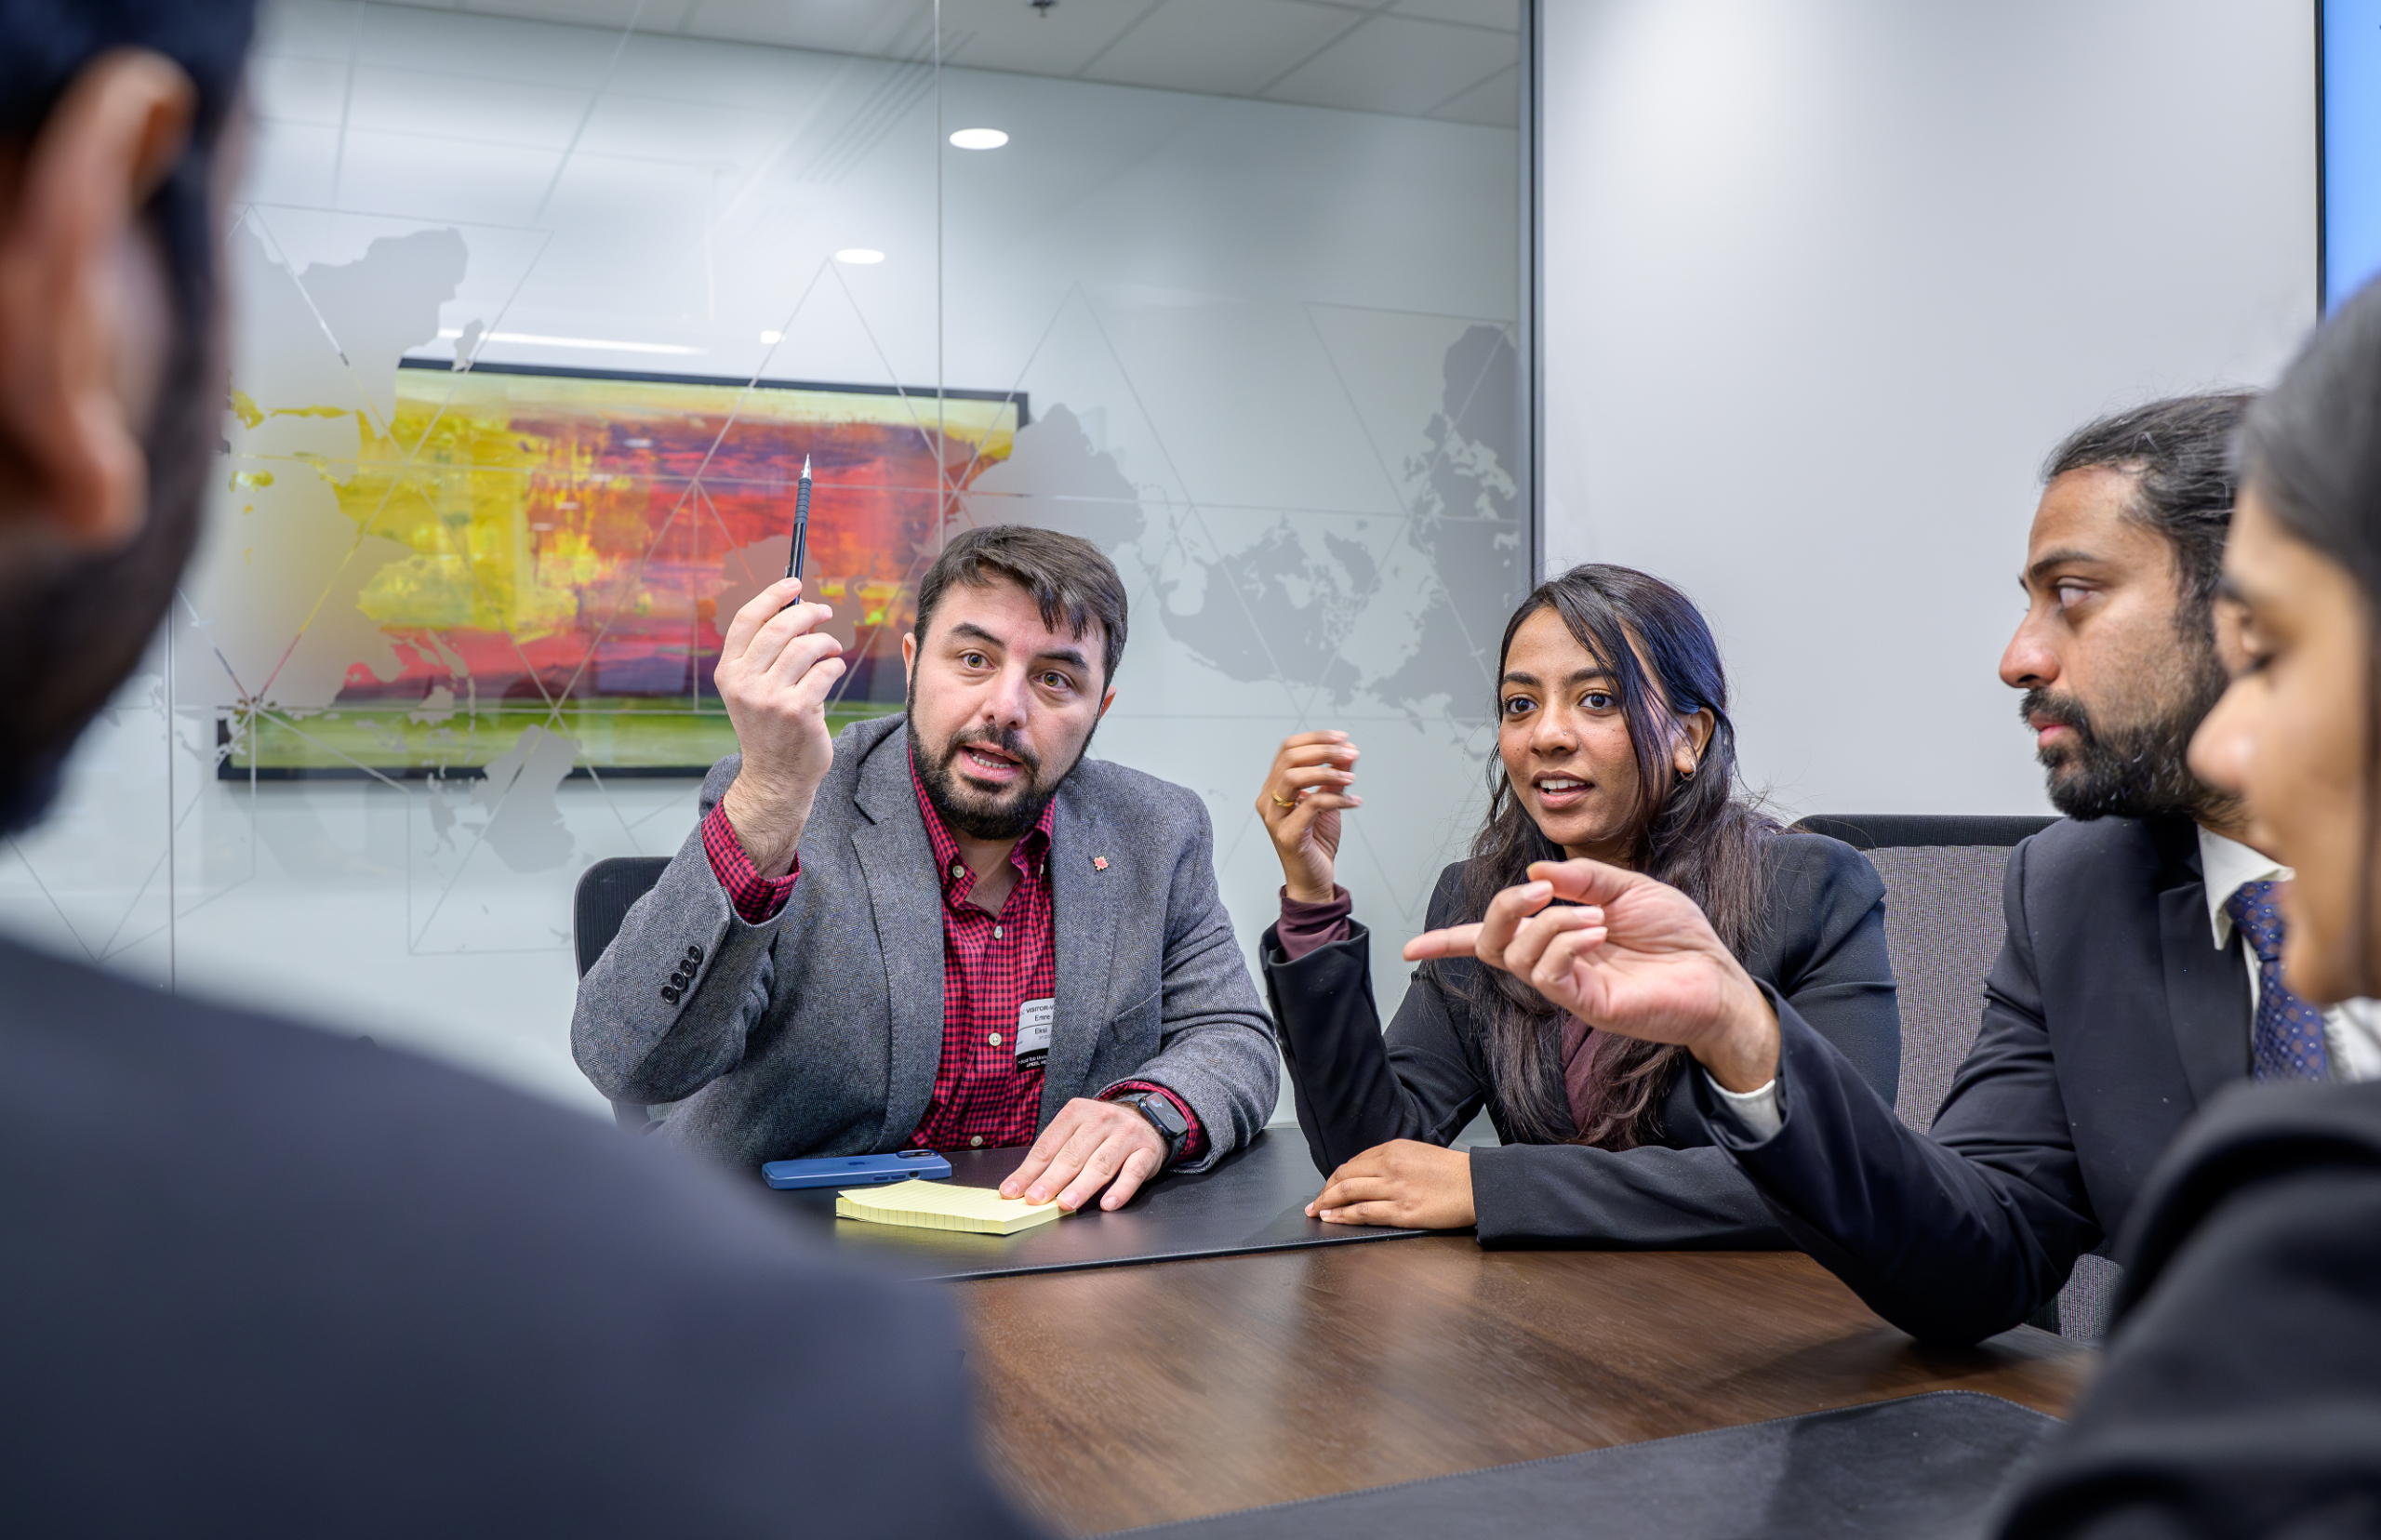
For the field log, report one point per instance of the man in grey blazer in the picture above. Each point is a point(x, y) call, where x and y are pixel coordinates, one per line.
point(947, 929)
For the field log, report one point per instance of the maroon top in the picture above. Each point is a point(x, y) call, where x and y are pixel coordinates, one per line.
point(991, 964)
point(1309, 927)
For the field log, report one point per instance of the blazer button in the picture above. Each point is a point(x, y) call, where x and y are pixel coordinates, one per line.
point(670, 994)
point(694, 954)
point(679, 979)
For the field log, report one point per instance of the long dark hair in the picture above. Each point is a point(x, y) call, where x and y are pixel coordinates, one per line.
point(1693, 832)
point(2311, 451)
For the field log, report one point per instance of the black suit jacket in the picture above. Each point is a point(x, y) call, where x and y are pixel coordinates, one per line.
point(1823, 946)
point(2108, 1017)
point(261, 1280)
point(2243, 1390)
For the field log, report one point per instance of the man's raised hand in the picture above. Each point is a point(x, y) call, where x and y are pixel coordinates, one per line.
point(776, 668)
point(1626, 954)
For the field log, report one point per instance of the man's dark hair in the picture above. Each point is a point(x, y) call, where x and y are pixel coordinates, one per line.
point(2179, 452)
point(1071, 582)
point(71, 630)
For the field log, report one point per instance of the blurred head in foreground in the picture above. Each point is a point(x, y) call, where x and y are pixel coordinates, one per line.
point(114, 119)
point(2298, 735)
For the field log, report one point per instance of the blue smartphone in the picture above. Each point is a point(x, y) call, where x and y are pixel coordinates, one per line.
point(855, 1170)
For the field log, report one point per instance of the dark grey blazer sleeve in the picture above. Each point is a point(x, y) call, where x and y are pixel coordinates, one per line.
point(1952, 1237)
point(1428, 1077)
point(630, 1039)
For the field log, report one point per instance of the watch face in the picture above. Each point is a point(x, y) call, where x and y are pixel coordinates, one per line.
point(1166, 1115)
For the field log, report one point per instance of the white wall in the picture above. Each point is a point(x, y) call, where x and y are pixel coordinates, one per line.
point(1826, 279)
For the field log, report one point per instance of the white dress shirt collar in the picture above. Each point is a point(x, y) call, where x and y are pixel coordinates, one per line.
point(2224, 866)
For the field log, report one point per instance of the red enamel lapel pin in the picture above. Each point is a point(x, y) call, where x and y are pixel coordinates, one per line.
point(1099, 863)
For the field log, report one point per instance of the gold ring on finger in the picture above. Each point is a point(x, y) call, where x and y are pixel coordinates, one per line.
point(1284, 801)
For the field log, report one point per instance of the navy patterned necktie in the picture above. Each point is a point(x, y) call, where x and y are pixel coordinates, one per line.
point(2287, 1041)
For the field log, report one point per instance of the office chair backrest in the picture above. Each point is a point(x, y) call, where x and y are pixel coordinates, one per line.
point(1943, 928)
point(606, 891)
point(597, 906)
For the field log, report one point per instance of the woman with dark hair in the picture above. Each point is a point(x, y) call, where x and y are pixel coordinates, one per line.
point(1612, 741)
point(2243, 1392)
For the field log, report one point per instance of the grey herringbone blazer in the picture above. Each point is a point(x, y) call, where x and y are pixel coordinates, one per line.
point(818, 1032)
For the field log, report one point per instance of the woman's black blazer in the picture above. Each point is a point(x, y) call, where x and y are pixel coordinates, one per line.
point(1823, 947)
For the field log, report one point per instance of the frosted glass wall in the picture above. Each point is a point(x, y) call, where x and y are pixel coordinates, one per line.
point(520, 306)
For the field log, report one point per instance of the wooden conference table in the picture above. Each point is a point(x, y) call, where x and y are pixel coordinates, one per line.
point(1134, 1395)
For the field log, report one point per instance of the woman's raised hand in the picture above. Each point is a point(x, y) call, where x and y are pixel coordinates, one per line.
point(1304, 793)
point(1626, 954)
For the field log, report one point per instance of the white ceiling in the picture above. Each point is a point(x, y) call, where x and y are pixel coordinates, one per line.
point(1454, 60)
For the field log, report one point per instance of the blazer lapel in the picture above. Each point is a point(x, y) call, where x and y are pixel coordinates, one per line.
point(1085, 912)
point(2207, 992)
point(898, 861)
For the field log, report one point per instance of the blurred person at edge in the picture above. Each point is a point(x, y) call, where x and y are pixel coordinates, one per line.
point(267, 1279)
point(2242, 1389)
point(1613, 739)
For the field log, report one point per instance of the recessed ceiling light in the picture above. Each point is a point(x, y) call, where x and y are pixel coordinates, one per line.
point(980, 138)
point(772, 338)
point(858, 255)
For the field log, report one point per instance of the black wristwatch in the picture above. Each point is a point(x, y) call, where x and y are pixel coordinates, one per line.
point(1164, 1117)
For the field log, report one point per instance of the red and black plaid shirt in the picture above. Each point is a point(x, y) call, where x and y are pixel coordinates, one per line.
point(991, 964)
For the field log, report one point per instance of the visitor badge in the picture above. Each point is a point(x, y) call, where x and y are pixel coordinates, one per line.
point(1033, 1019)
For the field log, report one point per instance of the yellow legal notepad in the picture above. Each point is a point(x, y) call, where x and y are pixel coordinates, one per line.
point(939, 1205)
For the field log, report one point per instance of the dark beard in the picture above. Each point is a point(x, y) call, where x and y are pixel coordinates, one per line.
point(2141, 770)
point(968, 809)
point(74, 625)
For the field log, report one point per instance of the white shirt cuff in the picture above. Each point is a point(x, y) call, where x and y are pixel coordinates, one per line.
point(1754, 1113)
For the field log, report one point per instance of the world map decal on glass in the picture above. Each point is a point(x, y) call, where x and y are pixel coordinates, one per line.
point(567, 547)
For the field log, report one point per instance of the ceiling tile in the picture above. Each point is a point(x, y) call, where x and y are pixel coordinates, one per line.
point(1011, 34)
point(298, 90)
point(610, 15)
point(1391, 64)
point(1493, 103)
point(900, 29)
point(1407, 56)
point(1505, 15)
point(1230, 47)
point(411, 102)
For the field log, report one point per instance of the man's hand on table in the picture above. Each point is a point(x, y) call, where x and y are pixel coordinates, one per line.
point(1404, 1183)
point(1088, 1146)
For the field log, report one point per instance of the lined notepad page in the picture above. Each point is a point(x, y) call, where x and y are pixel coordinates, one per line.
point(939, 1205)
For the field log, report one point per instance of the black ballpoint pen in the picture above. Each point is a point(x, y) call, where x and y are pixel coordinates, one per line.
point(801, 521)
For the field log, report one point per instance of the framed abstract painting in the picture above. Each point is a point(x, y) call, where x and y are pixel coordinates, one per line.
point(570, 547)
